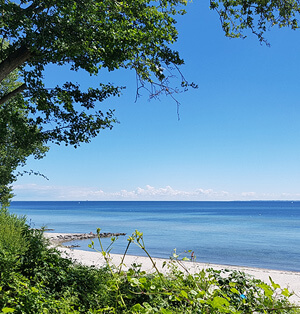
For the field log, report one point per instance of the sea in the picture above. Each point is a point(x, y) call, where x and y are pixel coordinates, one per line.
point(264, 234)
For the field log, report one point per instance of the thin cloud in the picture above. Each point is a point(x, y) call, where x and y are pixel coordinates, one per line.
point(36, 192)
point(47, 192)
point(247, 194)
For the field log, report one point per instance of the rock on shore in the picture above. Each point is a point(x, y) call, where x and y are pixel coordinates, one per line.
point(67, 237)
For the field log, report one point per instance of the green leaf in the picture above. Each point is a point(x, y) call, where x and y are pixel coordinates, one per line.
point(35, 290)
point(184, 294)
point(267, 290)
point(234, 290)
point(219, 302)
point(285, 292)
point(136, 308)
point(8, 310)
point(143, 280)
point(134, 282)
point(274, 285)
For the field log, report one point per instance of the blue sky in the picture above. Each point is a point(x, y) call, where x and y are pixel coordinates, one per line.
point(237, 138)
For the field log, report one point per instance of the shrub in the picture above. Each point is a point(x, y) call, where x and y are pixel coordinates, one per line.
point(12, 230)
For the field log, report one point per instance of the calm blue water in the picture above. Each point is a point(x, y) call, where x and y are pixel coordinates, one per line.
point(257, 234)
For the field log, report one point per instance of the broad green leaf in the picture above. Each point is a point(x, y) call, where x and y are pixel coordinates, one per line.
point(8, 310)
point(285, 292)
point(274, 285)
point(184, 294)
point(234, 290)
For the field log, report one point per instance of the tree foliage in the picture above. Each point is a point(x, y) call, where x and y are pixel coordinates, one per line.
point(19, 136)
point(81, 35)
point(86, 35)
point(258, 16)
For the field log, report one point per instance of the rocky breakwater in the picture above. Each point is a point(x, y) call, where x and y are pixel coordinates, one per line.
point(59, 238)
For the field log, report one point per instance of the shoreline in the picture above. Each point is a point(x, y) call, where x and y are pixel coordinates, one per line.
point(286, 279)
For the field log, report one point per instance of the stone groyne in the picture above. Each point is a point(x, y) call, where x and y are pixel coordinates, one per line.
point(59, 238)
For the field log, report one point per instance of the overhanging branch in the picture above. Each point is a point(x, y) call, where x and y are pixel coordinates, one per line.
point(12, 94)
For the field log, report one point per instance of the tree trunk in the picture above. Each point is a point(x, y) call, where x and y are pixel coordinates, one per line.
point(13, 61)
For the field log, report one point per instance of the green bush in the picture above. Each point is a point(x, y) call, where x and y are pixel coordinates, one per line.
point(12, 230)
point(36, 279)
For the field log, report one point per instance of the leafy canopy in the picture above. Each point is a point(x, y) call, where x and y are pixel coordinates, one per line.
point(86, 35)
point(258, 16)
point(19, 137)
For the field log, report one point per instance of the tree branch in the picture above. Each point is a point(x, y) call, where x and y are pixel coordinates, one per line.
point(34, 8)
point(10, 95)
point(13, 61)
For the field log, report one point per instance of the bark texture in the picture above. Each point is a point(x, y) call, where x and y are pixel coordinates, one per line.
point(13, 61)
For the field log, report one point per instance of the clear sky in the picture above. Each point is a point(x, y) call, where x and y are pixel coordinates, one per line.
point(237, 138)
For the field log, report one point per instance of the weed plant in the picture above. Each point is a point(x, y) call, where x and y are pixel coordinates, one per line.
point(11, 233)
point(34, 278)
point(178, 291)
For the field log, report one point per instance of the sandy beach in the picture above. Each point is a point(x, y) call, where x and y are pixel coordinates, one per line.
point(286, 279)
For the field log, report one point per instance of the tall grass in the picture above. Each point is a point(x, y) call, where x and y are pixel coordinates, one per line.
point(12, 229)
